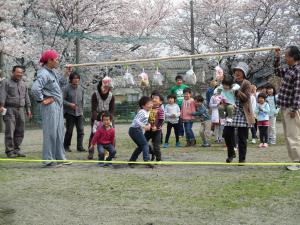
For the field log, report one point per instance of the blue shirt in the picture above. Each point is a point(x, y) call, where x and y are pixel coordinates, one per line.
point(262, 111)
point(202, 112)
point(48, 84)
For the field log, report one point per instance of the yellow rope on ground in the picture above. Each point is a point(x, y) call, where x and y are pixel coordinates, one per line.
point(156, 163)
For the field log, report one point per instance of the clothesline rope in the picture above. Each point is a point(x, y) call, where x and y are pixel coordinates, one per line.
point(175, 58)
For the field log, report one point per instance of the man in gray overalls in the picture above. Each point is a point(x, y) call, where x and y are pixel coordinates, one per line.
point(14, 99)
point(47, 91)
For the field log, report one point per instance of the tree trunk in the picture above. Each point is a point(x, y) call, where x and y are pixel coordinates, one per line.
point(1, 75)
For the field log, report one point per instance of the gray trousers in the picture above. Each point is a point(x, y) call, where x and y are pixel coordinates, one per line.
point(14, 129)
point(53, 131)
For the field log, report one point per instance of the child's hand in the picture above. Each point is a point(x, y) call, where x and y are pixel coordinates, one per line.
point(173, 116)
point(154, 128)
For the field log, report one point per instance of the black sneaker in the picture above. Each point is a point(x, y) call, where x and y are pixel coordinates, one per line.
point(131, 165)
point(20, 154)
point(67, 149)
point(229, 159)
point(11, 155)
point(81, 149)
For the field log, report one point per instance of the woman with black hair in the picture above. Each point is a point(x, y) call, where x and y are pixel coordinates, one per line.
point(102, 101)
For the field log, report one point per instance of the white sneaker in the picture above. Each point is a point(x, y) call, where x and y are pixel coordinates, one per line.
point(253, 141)
point(229, 120)
point(293, 167)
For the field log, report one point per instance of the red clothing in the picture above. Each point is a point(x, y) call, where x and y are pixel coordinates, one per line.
point(187, 109)
point(263, 123)
point(103, 136)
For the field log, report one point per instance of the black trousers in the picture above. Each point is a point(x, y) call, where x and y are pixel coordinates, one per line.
point(263, 134)
point(254, 130)
point(155, 136)
point(78, 121)
point(242, 134)
point(175, 126)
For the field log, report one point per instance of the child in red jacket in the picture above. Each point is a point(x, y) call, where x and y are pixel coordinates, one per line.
point(104, 138)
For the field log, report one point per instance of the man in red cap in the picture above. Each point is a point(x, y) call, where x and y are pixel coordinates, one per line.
point(47, 91)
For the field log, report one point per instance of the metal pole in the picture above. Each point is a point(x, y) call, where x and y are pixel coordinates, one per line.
point(192, 32)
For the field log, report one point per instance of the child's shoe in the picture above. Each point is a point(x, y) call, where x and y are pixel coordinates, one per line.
point(178, 145)
point(188, 143)
point(101, 164)
point(193, 142)
point(265, 145)
point(261, 145)
point(166, 145)
point(205, 145)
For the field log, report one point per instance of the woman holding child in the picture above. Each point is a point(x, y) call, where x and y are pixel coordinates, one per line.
point(243, 117)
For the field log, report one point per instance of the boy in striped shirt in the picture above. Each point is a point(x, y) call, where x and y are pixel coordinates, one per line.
point(136, 131)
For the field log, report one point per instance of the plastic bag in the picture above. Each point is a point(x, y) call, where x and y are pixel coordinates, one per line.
point(144, 80)
point(219, 73)
point(107, 82)
point(158, 78)
point(128, 78)
point(190, 77)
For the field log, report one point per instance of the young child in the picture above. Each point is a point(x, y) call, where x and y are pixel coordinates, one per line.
point(172, 114)
point(227, 104)
point(104, 138)
point(202, 112)
point(262, 112)
point(140, 124)
point(187, 110)
point(178, 91)
point(272, 99)
point(253, 105)
point(156, 120)
point(215, 118)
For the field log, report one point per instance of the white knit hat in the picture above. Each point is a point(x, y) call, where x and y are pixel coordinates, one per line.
point(242, 66)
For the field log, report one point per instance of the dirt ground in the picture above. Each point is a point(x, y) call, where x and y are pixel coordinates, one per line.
point(86, 194)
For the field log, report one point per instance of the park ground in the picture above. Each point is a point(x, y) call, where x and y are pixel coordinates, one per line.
point(84, 194)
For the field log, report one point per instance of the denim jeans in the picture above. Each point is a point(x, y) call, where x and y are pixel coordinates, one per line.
point(139, 139)
point(188, 127)
point(110, 149)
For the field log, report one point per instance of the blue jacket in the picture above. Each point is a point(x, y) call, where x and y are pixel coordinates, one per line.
point(209, 94)
point(273, 108)
point(202, 112)
point(262, 111)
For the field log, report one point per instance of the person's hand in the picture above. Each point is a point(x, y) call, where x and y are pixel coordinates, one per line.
point(48, 101)
point(72, 106)
point(29, 114)
point(154, 128)
point(147, 127)
point(292, 115)
point(277, 52)
point(173, 116)
point(1, 109)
